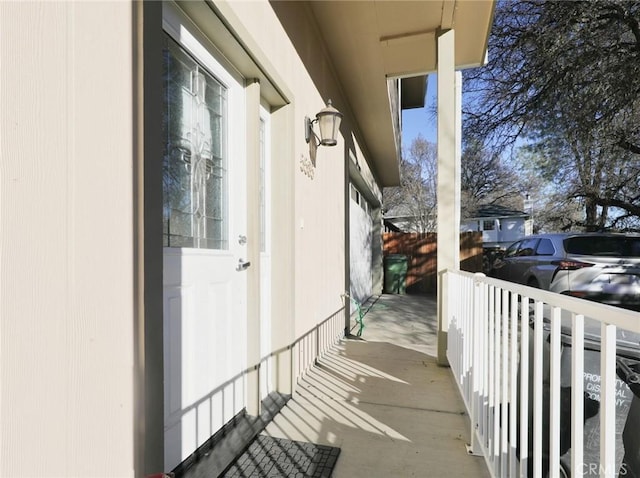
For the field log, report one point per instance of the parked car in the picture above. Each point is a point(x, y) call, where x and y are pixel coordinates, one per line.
point(603, 267)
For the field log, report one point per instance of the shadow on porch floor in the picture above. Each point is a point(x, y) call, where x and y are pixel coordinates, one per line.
point(384, 401)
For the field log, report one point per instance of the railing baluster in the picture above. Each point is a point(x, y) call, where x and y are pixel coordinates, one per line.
point(577, 391)
point(456, 311)
point(496, 364)
point(524, 387)
point(453, 356)
point(491, 378)
point(537, 390)
point(608, 401)
point(554, 401)
point(484, 387)
point(475, 333)
point(513, 381)
point(504, 375)
point(447, 284)
point(467, 347)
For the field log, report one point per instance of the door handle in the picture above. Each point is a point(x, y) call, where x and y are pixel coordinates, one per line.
point(242, 265)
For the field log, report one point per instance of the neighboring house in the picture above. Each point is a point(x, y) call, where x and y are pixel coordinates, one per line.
point(167, 230)
point(500, 226)
point(405, 222)
point(389, 226)
point(399, 223)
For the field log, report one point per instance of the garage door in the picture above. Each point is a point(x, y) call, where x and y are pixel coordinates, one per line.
point(360, 248)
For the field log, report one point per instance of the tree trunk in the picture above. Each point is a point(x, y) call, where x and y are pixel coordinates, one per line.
point(591, 219)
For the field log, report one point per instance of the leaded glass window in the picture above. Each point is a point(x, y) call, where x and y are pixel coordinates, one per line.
point(194, 169)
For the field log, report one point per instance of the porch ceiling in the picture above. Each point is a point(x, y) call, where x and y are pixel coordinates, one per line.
point(371, 41)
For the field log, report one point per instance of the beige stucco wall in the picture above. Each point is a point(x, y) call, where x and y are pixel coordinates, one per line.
point(66, 240)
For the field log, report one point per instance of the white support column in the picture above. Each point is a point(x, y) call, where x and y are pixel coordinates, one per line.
point(448, 255)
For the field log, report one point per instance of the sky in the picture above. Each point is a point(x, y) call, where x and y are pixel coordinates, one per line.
point(419, 120)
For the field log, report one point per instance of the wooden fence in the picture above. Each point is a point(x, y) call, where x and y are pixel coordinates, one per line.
point(420, 249)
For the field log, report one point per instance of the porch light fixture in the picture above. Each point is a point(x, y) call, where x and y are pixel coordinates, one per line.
point(328, 120)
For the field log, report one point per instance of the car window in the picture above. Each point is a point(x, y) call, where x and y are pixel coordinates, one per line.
point(527, 247)
point(545, 248)
point(512, 249)
point(611, 246)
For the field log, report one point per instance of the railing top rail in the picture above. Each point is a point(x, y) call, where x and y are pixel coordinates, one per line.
point(623, 318)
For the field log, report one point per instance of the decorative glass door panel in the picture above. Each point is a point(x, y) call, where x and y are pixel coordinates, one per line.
point(195, 179)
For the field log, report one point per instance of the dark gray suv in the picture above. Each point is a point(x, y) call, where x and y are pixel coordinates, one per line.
point(602, 267)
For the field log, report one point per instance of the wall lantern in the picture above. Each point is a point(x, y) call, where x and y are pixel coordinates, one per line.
point(328, 120)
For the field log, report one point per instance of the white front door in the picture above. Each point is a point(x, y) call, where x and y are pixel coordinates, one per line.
point(205, 245)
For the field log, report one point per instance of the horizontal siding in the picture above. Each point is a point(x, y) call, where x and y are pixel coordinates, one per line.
point(66, 235)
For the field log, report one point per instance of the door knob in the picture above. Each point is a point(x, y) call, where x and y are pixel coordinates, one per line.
point(242, 265)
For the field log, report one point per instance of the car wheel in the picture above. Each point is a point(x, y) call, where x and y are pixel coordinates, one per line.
point(533, 282)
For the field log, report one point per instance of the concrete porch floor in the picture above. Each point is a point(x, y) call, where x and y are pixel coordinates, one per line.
point(384, 401)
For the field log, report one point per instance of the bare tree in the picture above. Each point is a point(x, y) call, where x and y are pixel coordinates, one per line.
point(486, 179)
point(566, 75)
point(414, 201)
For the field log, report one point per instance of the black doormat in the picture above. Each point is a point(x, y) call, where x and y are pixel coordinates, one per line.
point(277, 458)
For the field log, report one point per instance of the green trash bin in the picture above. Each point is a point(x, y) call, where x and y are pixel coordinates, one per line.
point(395, 273)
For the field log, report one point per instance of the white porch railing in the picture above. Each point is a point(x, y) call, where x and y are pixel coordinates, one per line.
point(310, 347)
point(542, 393)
